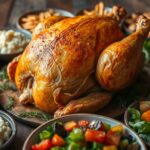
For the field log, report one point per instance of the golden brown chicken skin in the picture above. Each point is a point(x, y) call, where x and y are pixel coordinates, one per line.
point(88, 104)
point(58, 64)
point(46, 24)
point(121, 62)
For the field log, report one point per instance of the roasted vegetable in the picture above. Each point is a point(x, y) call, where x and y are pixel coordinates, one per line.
point(146, 116)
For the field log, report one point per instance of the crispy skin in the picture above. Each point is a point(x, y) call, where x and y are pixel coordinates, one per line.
point(61, 59)
point(121, 62)
point(88, 104)
point(46, 24)
point(11, 68)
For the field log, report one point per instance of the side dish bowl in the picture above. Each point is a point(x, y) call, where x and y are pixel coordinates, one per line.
point(36, 12)
point(32, 139)
point(127, 115)
point(6, 57)
point(12, 125)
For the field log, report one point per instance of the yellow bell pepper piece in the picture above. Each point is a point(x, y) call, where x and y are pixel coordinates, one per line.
point(111, 147)
point(118, 128)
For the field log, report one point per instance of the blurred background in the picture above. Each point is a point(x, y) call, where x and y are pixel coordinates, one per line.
point(10, 10)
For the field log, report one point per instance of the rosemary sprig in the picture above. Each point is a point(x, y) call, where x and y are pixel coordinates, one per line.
point(33, 114)
point(10, 103)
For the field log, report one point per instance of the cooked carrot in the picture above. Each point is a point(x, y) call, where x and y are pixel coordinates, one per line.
point(146, 116)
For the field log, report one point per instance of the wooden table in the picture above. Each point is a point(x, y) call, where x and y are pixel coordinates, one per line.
point(22, 6)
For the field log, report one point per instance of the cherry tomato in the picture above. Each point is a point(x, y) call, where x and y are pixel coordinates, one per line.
point(57, 140)
point(43, 145)
point(95, 136)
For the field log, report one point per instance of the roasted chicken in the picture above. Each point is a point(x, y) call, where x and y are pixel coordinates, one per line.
point(57, 68)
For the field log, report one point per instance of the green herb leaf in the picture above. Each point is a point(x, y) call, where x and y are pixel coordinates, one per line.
point(38, 115)
point(145, 137)
point(146, 50)
point(135, 115)
point(141, 127)
point(10, 103)
point(6, 86)
point(3, 74)
point(46, 135)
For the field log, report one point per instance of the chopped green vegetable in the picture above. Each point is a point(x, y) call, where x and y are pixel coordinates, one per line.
point(46, 135)
point(76, 135)
point(141, 127)
point(106, 126)
point(146, 50)
point(135, 115)
point(50, 129)
point(145, 137)
point(133, 146)
point(74, 146)
point(97, 146)
point(10, 103)
point(124, 144)
point(58, 148)
point(38, 115)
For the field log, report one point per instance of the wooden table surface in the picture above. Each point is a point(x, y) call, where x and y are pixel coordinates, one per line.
point(21, 6)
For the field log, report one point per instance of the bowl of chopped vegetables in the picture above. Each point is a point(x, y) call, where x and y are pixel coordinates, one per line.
point(137, 117)
point(83, 132)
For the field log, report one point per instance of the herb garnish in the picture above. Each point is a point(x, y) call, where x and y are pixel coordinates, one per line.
point(10, 103)
point(3, 74)
point(6, 86)
point(38, 115)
